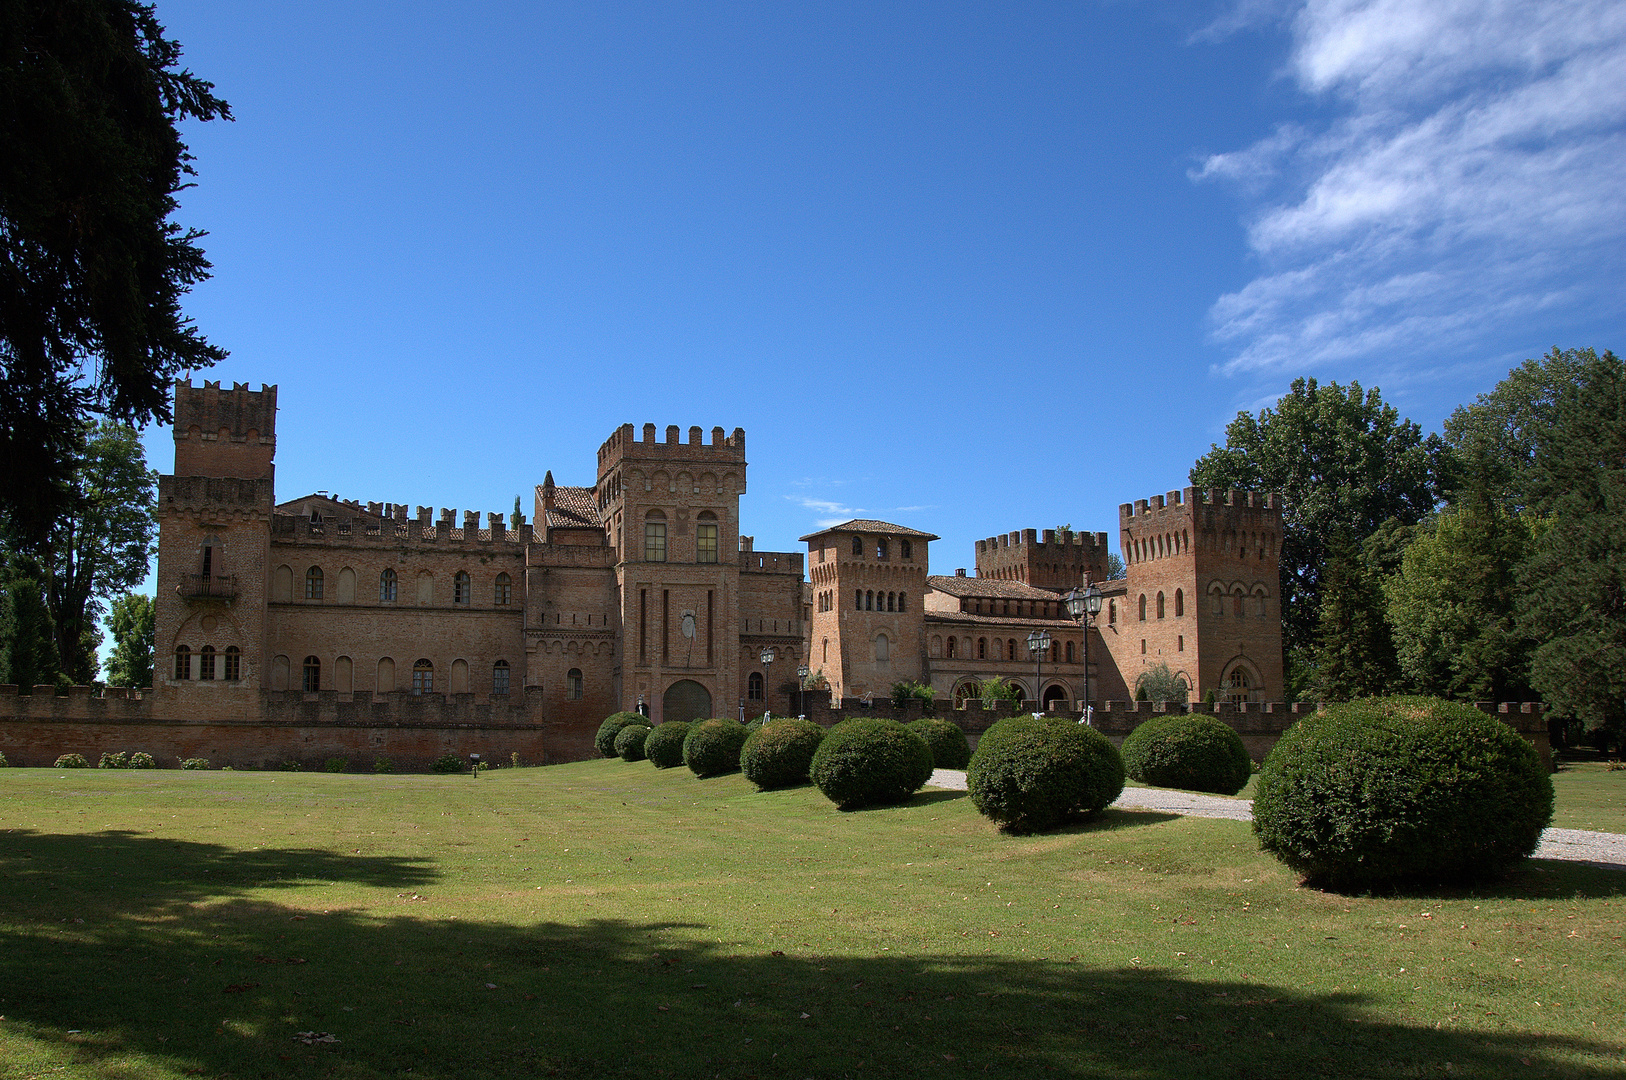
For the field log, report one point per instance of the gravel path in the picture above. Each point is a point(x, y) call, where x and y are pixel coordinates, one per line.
point(1573, 845)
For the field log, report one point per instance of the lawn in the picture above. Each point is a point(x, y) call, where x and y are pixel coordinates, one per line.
point(609, 919)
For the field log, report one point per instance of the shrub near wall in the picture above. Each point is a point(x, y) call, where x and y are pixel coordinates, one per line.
point(712, 747)
point(607, 731)
point(664, 747)
point(870, 763)
point(779, 755)
point(1194, 753)
point(629, 742)
point(72, 761)
point(948, 744)
point(1028, 775)
point(1401, 788)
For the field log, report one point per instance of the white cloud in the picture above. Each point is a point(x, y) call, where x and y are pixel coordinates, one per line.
point(1470, 182)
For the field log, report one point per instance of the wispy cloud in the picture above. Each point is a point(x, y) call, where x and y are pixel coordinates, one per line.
point(834, 513)
point(1470, 182)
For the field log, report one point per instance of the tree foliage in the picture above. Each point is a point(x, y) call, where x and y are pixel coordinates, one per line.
point(27, 642)
point(92, 269)
point(131, 623)
point(1344, 463)
point(1158, 683)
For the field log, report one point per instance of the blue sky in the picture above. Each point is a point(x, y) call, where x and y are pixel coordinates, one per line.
point(968, 267)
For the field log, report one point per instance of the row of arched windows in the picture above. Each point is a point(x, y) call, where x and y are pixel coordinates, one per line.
point(502, 587)
point(226, 666)
point(870, 600)
point(1160, 546)
point(312, 677)
point(883, 550)
point(1162, 606)
point(952, 648)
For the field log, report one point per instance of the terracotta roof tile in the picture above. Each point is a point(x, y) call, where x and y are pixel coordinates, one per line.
point(956, 585)
point(573, 508)
point(870, 525)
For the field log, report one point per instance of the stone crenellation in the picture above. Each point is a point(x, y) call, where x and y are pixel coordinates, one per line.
point(625, 442)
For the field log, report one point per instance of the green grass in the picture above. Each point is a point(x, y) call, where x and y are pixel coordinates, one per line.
point(1590, 797)
point(610, 919)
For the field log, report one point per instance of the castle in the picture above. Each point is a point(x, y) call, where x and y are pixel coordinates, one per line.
point(640, 592)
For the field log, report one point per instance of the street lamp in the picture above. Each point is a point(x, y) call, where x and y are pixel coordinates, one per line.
point(1038, 642)
point(767, 658)
point(1084, 605)
point(801, 689)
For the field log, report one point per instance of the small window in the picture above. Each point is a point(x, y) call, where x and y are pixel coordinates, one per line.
point(1143, 646)
point(880, 548)
point(1261, 598)
point(869, 600)
point(313, 583)
point(206, 663)
point(858, 547)
point(1180, 643)
point(1160, 605)
point(654, 541)
point(1236, 604)
point(1142, 607)
point(573, 683)
point(905, 549)
point(858, 600)
point(705, 542)
point(948, 647)
point(504, 592)
point(499, 678)
point(386, 586)
point(982, 648)
point(460, 588)
point(312, 673)
point(1069, 652)
point(233, 665)
point(1179, 603)
point(753, 687)
point(891, 601)
point(183, 662)
point(883, 649)
point(423, 677)
point(900, 601)
point(1112, 612)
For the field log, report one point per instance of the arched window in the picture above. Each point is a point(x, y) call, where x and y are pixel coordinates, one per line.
point(891, 601)
point(386, 586)
point(423, 677)
point(655, 537)
point(1238, 684)
point(1112, 612)
point(869, 600)
point(183, 662)
point(505, 590)
point(313, 583)
point(206, 663)
point(883, 649)
point(460, 587)
point(1010, 645)
point(982, 648)
point(1142, 607)
point(234, 664)
point(1217, 595)
point(499, 678)
point(312, 673)
point(573, 684)
point(1260, 597)
point(1236, 604)
point(900, 601)
point(858, 547)
point(1179, 603)
point(880, 548)
point(905, 549)
point(1069, 652)
point(948, 645)
point(753, 687)
point(1160, 605)
point(826, 658)
point(858, 599)
point(705, 538)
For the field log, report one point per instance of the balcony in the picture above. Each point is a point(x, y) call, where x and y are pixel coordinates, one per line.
point(208, 587)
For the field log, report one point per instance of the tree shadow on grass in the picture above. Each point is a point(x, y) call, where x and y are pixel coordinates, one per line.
point(1533, 879)
point(1112, 819)
point(229, 988)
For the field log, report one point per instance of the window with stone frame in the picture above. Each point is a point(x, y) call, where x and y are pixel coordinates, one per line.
point(461, 587)
point(313, 583)
point(504, 593)
point(386, 586)
point(233, 665)
point(423, 677)
point(705, 539)
point(499, 678)
point(753, 687)
point(654, 541)
point(206, 663)
point(183, 662)
point(312, 674)
point(573, 684)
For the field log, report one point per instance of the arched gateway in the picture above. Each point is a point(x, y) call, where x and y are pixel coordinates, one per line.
point(686, 700)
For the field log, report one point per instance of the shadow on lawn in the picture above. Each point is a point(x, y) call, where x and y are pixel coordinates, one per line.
point(414, 986)
point(1534, 879)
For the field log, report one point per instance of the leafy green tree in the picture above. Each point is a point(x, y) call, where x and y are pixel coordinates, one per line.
point(131, 623)
point(996, 690)
point(1574, 586)
point(27, 644)
point(92, 269)
point(101, 545)
point(1115, 566)
point(1344, 462)
point(1355, 655)
point(1158, 683)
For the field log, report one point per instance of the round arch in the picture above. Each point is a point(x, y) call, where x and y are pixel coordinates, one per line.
point(1055, 692)
point(685, 700)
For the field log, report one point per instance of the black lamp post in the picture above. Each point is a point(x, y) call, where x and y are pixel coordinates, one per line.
point(1084, 605)
point(801, 690)
point(767, 658)
point(1038, 642)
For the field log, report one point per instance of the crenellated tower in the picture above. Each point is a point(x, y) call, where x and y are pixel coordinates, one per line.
point(1057, 559)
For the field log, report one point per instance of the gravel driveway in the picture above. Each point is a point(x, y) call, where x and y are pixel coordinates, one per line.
point(1573, 845)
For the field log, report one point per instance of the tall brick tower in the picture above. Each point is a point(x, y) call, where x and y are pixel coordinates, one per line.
point(868, 580)
point(1056, 560)
point(672, 511)
point(1202, 592)
point(214, 517)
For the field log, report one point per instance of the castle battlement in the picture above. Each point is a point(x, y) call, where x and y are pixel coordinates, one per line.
point(625, 444)
point(202, 494)
point(1049, 538)
point(286, 528)
point(1187, 499)
point(239, 414)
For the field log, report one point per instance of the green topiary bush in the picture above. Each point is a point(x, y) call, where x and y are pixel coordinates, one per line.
point(779, 754)
point(1195, 753)
point(712, 747)
point(335, 764)
point(72, 761)
point(142, 760)
point(447, 763)
point(949, 746)
point(867, 762)
point(1401, 789)
point(629, 741)
point(664, 747)
point(607, 731)
point(111, 760)
point(194, 764)
point(1028, 775)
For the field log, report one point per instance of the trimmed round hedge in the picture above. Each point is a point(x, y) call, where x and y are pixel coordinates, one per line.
point(867, 762)
point(780, 754)
point(1194, 753)
point(712, 747)
point(629, 741)
point(948, 744)
point(1398, 789)
point(142, 760)
point(72, 761)
point(1029, 775)
point(607, 731)
point(664, 746)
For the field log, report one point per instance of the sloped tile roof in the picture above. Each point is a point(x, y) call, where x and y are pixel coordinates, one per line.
point(870, 525)
point(573, 508)
point(988, 587)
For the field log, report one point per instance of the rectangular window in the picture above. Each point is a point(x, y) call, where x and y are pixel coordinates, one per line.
point(206, 663)
point(234, 664)
point(705, 544)
point(654, 541)
point(499, 678)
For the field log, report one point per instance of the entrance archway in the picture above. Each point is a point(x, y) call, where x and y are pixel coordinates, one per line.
point(1054, 693)
point(686, 700)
